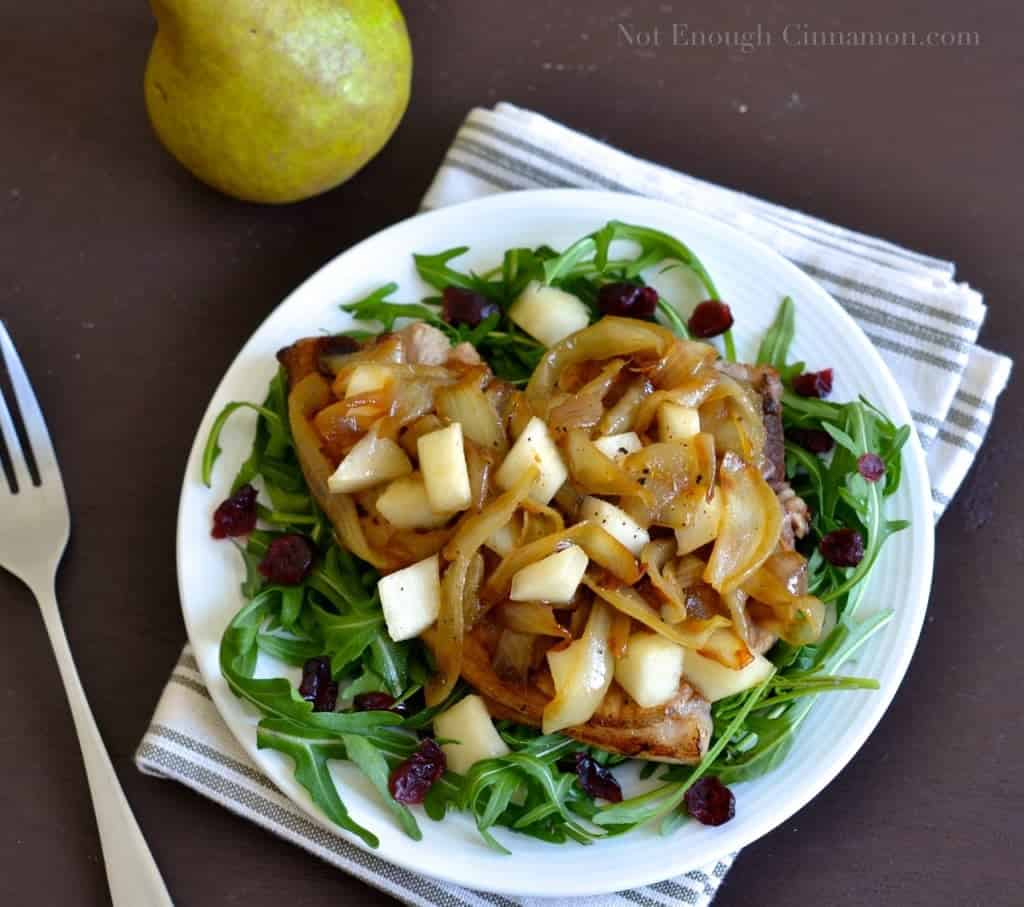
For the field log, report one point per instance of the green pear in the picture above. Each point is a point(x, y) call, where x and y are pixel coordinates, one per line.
point(277, 100)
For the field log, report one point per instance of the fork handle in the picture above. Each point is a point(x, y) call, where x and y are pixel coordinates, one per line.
point(132, 873)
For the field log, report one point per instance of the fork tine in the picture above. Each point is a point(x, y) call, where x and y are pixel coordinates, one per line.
point(31, 415)
point(14, 452)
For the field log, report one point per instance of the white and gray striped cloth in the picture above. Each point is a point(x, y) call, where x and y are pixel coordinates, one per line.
point(923, 322)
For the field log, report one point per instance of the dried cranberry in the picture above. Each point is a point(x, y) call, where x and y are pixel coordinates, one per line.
point(237, 515)
point(288, 560)
point(711, 318)
point(871, 466)
point(813, 439)
point(466, 307)
point(814, 384)
point(627, 299)
point(596, 780)
point(411, 781)
point(710, 802)
point(843, 548)
point(318, 686)
point(374, 702)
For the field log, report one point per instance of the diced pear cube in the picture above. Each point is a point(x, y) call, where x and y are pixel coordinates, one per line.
point(405, 505)
point(548, 314)
point(618, 447)
point(411, 598)
point(372, 461)
point(468, 722)
point(616, 522)
point(715, 681)
point(554, 578)
point(534, 447)
point(651, 669)
point(367, 378)
point(443, 464)
point(677, 423)
point(702, 527)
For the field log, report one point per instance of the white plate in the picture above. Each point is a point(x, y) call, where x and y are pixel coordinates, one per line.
point(753, 279)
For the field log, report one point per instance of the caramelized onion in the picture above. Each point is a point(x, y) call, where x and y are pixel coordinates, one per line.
point(780, 586)
point(471, 593)
point(686, 571)
point(343, 423)
point(732, 412)
point(736, 601)
point(479, 464)
point(468, 405)
point(519, 414)
point(799, 623)
point(529, 617)
point(691, 393)
point(618, 637)
point(582, 673)
point(608, 338)
point(664, 471)
point(473, 530)
point(424, 425)
point(725, 647)
point(585, 408)
point(306, 398)
point(539, 520)
point(595, 472)
point(750, 526)
point(448, 635)
point(513, 657)
point(620, 417)
point(402, 546)
point(682, 361)
point(629, 601)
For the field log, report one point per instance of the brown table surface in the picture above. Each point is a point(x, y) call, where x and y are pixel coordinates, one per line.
point(129, 287)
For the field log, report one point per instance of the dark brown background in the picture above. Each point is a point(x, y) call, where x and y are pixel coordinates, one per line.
point(129, 287)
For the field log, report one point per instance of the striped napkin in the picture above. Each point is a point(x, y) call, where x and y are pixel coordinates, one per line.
point(923, 322)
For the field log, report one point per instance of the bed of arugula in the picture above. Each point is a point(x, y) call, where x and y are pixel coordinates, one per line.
point(336, 613)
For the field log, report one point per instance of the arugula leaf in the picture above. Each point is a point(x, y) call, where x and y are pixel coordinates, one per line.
point(673, 318)
point(435, 271)
point(212, 449)
point(310, 751)
point(390, 660)
point(840, 437)
point(295, 652)
point(346, 637)
point(368, 681)
point(774, 349)
point(292, 599)
point(445, 795)
point(375, 307)
point(373, 764)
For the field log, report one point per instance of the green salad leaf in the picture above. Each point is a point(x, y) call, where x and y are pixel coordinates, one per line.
point(582, 270)
point(311, 750)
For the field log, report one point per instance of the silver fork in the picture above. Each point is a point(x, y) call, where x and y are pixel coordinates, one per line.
point(34, 527)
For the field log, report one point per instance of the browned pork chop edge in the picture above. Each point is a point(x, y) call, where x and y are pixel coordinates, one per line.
point(678, 731)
